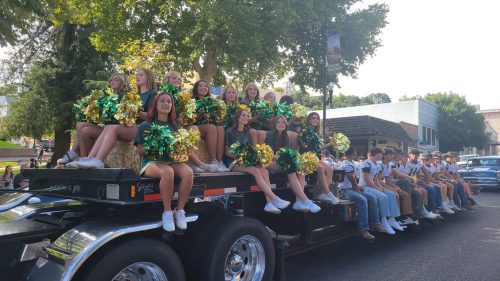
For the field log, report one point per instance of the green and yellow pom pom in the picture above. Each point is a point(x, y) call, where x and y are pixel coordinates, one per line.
point(127, 111)
point(185, 108)
point(158, 143)
point(245, 154)
point(299, 113)
point(288, 160)
point(340, 142)
point(210, 111)
point(264, 155)
point(310, 140)
point(185, 143)
point(79, 107)
point(308, 163)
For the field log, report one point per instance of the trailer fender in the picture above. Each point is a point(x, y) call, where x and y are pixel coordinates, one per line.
point(72, 249)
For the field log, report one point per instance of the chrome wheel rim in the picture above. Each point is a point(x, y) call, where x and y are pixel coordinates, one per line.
point(246, 260)
point(141, 271)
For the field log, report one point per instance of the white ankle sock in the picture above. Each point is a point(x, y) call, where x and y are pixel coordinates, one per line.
point(386, 226)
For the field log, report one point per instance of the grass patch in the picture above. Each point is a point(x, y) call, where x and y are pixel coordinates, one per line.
point(6, 144)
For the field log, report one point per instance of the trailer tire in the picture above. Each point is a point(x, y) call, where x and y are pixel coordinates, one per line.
point(137, 257)
point(238, 247)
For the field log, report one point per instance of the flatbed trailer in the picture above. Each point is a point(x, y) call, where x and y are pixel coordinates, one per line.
point(107, 226)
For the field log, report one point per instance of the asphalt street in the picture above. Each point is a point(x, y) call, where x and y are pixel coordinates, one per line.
point(463, 246)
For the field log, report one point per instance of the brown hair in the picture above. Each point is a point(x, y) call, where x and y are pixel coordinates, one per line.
point(195, 93)
point(318, 128)
point(150, 78)
point(223, 96)
point(281, 139)
point(236, 118)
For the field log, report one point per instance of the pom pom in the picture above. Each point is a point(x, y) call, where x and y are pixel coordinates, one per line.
point(288, 160)
point(264, 155)
point(185, 143)
point(263, 111)
point(299, 113)
point(245, 154)
point(340, 142)
point(283, 109)
point(79, 107)
point(91, 112)
point(310, 141)
point(185, 108)
point(158, 142)
point(308, 163)
point(210, 111)
point(169, 88)
point(127, 111)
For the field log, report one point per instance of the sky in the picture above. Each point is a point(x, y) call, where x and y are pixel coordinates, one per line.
point(433, 46)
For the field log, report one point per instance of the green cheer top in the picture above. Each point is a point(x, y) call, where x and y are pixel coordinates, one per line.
point(139, 140)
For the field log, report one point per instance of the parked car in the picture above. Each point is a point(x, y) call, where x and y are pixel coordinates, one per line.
point(47, 145)
point(482, 171)
point(462, 160)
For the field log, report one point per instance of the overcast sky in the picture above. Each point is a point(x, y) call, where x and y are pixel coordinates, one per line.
point(431, 46)
point(435, 45)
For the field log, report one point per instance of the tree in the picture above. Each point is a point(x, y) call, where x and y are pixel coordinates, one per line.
point(29, 116)
point(342, 100)
point(409, 98)
point(16, 17)
point(375, 99)
point(247, 41)
point(459, 124)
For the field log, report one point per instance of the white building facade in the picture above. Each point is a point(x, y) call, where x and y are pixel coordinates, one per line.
point(418, 112)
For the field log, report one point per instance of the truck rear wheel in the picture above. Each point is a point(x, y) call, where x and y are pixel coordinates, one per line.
point(240, 249)
point(138, 259)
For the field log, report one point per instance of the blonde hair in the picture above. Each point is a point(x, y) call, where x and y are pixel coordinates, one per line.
point(245, 96)
point(150, 78)
point(223, 95)
point(170, 74)
point(125, 83)
point(268, 94)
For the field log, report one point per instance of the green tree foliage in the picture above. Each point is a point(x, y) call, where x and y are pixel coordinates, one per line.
point(459, 123)
point(16, 17)
point(409, 98)
point(308, 21)
point(9, 90)
point(375, 99)
point(29, 116)
point(247, 41)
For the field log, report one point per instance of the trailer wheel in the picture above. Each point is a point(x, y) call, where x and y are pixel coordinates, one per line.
point(240, 249)
point(138, 259)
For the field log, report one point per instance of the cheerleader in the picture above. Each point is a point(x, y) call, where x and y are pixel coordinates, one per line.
point(324, 171)
point(251, 94)
point(175, 78)
point(213, 134)
point(230, 98)
point(147, 88)
point(87, 133)
point(162, 113)
point(270, 96)
point(109, 135)
point(239, 132)
point(278, 138)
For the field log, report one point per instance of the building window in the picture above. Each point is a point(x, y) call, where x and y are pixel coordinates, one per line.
point(424, 134)
point(433, 137)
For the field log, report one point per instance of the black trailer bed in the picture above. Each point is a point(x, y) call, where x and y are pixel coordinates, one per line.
point(125, 186)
